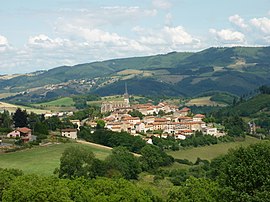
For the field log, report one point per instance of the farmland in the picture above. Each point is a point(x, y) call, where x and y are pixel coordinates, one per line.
point(43, 160)
point(210, 152)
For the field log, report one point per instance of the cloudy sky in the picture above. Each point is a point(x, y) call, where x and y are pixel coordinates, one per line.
point(42, 34)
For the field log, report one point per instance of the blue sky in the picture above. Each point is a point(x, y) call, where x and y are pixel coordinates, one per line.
point(42, 34)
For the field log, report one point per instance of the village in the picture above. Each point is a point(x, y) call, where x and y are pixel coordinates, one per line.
point(162, 120)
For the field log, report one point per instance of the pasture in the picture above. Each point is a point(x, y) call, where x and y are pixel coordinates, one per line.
point(212, 151)
point(44, 159)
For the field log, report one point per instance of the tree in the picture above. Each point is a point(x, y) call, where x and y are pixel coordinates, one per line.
point(6, 120)
point(153, 157)
point(100, 124)
point(136, 113)
point(6, 178)
point(245, 173)
point(124, 162)
point(79, 162)
point(53, 123)
point(195, 190)
point(37, 188)
point(20, 118)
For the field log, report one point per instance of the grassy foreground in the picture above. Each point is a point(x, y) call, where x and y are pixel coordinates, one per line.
point(210, 152)
point(43, 160)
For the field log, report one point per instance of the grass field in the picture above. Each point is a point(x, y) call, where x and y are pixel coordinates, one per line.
point(201, 101)
point(65, 101)
point(13, 108)
point(210, 152)
point(43, 160)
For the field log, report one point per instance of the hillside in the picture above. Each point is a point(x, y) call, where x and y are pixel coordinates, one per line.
point(237, 70)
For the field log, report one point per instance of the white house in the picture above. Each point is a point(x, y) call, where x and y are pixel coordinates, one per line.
point(69, 132)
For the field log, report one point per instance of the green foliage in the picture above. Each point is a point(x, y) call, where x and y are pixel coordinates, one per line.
point(20, 118)
point(223, 98)
point(124, 162)
point(244, 172)
point(6, 178)
point(153, 157)
point(114, 139)
point(195, 190)
point(136, 113)
point(81, 100)
point(5, 119)
point(53, 123)
point(36, 188)
point(264, 89)
point(79, 162)
point(199, 140)
point(100, 124)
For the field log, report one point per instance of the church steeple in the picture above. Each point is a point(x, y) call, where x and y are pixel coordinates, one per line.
point(126, 96)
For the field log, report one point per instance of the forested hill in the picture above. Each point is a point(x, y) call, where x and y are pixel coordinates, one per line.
point(236, 70)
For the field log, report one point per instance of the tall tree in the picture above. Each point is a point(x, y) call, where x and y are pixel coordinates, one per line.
point(79, 162)
point(124, 162)
point(20, 118)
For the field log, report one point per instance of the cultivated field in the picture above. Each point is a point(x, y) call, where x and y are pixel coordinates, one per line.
point(43, 160)
point(210, 152)
point(13, 108)
point(201, 101)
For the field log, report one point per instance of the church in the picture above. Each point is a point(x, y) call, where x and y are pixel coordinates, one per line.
point(110, 106)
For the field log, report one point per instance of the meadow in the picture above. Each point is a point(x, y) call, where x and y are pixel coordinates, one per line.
point(44, 159)
point(212, 151)
point(203, 101)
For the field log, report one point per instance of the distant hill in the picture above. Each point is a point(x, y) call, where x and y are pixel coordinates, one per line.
point(253, 106)
point(237, 70)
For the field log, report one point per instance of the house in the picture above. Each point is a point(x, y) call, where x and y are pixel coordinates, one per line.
point(69, 132)
point(76, 122)
point(211, 131)
point(140, 127)
point(25, 134)
point(184, 111)
point(14, 134)
point(198, 117)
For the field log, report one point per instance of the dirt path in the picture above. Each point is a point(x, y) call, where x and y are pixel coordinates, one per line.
point(100, 146)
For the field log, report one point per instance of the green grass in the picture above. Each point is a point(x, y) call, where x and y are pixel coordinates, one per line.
point(65, 101)
point(210, 152)
point(43, 160)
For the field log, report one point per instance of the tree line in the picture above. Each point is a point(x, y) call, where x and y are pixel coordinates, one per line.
point(240, 175)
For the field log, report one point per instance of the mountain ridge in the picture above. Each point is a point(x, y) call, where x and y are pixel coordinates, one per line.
point(175, 73)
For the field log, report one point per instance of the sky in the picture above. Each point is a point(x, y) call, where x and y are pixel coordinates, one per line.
point(43, 34)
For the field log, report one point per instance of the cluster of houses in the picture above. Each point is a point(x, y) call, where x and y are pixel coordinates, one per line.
point(178, 123)
point(162, 120)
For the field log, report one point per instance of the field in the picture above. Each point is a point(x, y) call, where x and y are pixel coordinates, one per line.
point(65, 101)
point(13, 108)
point(43, 160)
point(58, 105)
point(210, 152)
point(201, 101)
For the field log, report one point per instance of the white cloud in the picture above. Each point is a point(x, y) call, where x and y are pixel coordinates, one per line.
point(237, 20)
point(162, 4)
point(262, 24)
point(228, 36)
point(166, 39)
point(43, 41)
point(4, 45)
point(178, 35)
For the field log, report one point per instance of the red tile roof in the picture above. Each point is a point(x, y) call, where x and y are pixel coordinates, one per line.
point(24, 130)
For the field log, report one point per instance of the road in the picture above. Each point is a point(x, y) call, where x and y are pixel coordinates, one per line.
point(100, 146)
